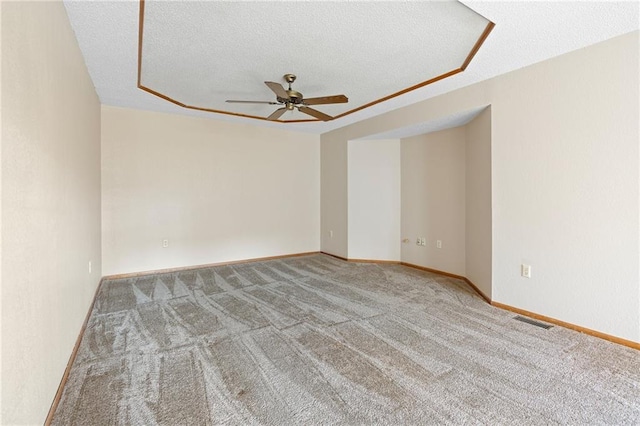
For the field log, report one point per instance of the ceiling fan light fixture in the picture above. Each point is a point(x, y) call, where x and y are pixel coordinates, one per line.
point(291, 99)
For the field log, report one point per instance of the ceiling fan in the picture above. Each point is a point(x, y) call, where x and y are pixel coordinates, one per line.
point(291, 99)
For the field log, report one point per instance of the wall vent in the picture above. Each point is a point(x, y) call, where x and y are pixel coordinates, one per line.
point(532, 322)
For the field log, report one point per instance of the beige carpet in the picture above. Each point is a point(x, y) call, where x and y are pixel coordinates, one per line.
point(317, 341)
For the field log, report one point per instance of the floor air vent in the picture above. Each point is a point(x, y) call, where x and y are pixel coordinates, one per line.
point(532, 322)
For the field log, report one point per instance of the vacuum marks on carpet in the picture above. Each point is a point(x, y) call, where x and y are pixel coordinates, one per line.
point(315, 340)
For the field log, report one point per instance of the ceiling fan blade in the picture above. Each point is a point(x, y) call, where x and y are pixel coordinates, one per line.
point(315, 113)
point(277, 113)
point(277, 89)
point(251, 102)
point(335, 99)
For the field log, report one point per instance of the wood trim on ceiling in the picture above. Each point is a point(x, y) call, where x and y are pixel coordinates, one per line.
point(402, 92)
point(478, 44)
point(140, 33)
point(237, 114)
point(464, 65)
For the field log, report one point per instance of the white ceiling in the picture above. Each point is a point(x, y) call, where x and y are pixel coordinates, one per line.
point(201, 53)
point(525, 33)
point(442, 123)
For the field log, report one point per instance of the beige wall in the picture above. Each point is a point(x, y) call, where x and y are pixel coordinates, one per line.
point(217, 191)
point(565, 190)
point(1, 384)
point(374, 199)
point(433, 199)
point(564, 183)
point(478, 226)
point(334, 197)
point(565, 178)
point(446, 196)
point(50, 203)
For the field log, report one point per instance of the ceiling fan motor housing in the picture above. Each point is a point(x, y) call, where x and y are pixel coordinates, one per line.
point(294, 97)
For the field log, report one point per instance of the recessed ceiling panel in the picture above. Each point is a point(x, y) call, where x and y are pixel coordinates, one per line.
point(200, 54)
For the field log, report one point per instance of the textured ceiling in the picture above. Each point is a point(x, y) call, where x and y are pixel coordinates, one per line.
point(525, 33)
point(442, 123)
point(201, 53)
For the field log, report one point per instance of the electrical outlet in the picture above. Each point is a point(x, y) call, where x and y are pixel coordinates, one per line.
point(525, 270)
point(165, 243)
point(423, 241)
point(438, 243)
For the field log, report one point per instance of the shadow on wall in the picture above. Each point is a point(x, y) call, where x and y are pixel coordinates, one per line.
point(443, 197)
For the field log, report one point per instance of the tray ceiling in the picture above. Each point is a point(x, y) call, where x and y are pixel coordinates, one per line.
point(198, 54)
point(245, 43)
